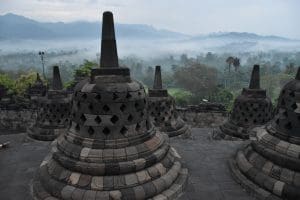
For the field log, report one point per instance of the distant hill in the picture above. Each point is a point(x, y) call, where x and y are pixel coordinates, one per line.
point(18, 27)
point(240, 36)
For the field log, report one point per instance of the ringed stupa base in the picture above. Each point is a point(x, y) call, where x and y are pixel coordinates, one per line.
point(166, 179)
point(269, 167)
point(45, 134)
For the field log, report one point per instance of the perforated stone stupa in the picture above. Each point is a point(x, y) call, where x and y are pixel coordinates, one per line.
point(53, 111)
point(269, 167)
point(162, 109)
point(111, 150)
point(38, 89)
point(251, 108)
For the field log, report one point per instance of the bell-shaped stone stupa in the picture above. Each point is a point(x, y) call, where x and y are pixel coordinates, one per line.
point(53, 111)
point(252, 108)
point(111, 150)
point(162, 109)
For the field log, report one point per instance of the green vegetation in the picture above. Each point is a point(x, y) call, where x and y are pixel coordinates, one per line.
point(214, 77)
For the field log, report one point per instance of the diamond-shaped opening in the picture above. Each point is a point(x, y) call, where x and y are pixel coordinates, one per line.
point(106, 108)
point(83, 118)
point(59, 121)
point(115, 96)
point(77, 127)
point(130, 118)
point(128, 95)
point(288, 126)
point(139, 93)
point(106, 131)
point(98, 120)
point(137, 127)
point(91, 130)
point(294, 106)
point(123, 130)
point(123, 107)
point(98, 97)
point(91, 107)
point(84, 96)
point(292, 94)
point(114, 119)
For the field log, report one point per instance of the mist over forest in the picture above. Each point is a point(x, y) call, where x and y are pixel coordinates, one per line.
point(215, 66)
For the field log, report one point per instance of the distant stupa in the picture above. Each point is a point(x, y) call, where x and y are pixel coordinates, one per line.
point(53, 113)
point(251, 108)
point(162, 109)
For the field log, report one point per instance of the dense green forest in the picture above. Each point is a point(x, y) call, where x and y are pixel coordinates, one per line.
point(190, 80)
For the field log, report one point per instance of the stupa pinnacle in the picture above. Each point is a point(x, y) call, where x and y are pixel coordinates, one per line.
point(111, 150)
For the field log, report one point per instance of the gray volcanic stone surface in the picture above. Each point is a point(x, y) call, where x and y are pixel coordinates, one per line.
point(209, 175)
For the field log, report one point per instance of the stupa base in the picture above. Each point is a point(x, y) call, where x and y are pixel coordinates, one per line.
point(268, 168)
point(44, 134)
point(183, 131)
point(163, 181)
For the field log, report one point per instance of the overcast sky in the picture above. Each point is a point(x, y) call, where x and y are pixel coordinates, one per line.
point(267, 17)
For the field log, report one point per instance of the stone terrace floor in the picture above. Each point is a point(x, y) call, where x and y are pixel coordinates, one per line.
point(209, 175)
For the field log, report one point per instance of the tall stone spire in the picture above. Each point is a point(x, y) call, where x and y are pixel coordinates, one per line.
point(38, 78)
point(56, 80)
point(298, 74)
point(255, 79)
point(109, 54)
point(157, 79)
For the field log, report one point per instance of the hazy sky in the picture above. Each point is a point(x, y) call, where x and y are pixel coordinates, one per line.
point(276, 17)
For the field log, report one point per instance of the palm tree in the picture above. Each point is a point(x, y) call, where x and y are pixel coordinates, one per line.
point(236, 63)
point(229, 61)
